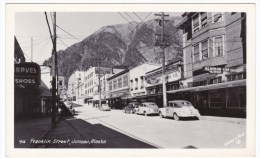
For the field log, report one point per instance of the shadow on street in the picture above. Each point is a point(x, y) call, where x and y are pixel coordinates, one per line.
point(77, 133)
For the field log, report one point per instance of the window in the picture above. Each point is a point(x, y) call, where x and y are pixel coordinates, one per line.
point(195, 25)
point(136, 83)
point(125, 81)
point(114, 84)
point(196, 53)
point(217, 17)
point(234, 77)
point(204, 50)
point(110, 86)
point(218, 43)
point(120, 82)
point(203, 17)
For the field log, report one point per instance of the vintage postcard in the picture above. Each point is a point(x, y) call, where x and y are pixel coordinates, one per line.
point(152, 79)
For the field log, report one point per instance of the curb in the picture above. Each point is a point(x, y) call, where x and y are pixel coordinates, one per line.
point(238, 121)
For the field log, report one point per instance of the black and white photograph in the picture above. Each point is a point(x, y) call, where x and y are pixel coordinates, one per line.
point(131, 79)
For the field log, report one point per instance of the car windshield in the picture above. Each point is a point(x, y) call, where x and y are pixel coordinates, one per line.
point(185, 103)
point(151, 105)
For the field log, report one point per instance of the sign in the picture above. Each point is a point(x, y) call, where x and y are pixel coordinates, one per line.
point(27, 74)
point(153, 80)
point(103, 70)
point(217, 70)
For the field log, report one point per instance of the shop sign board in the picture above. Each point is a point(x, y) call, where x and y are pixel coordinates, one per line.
point(218, 70)
point(27, 74)
point(153, 80)
point(100, 70)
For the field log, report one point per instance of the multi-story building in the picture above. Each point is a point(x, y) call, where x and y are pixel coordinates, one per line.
point(75, 85)
point(61, 87)
point(94, 77)
point(214, 56)
point(118, 87)
point(137, 78)
point(173, 75)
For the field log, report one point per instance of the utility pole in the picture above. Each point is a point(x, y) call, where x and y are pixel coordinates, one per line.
point(54, 65)
point(32, 49)
point(163, 44)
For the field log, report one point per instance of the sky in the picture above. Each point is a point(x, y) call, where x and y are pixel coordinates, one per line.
point(72, 28)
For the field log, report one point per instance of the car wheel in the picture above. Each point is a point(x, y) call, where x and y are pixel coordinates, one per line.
point(176, 117)
point(145, 114)
point(161, 115)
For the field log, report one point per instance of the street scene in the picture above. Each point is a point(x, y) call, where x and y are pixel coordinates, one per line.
point(166, 80)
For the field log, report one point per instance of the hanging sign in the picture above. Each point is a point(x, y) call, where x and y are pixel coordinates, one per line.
point(27, 74)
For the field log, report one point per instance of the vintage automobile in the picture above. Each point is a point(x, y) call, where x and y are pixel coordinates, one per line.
point(178, 109)
point(104, 107)
point(147, 108)
point(131, 107)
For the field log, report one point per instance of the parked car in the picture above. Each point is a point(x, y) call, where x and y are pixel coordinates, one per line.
point(147, 108)
point(178, 109)
point(104, 107)
point(131, 107)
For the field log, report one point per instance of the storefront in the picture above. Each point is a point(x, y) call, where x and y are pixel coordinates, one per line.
point(221, 99)
point(119, 99)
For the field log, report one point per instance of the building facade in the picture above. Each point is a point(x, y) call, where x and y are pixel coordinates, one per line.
point(62, 87)
point(137, 78)
point(214, 58)
point(75, 86)
point(173, 74)
point(118, 87)
point(94, 82)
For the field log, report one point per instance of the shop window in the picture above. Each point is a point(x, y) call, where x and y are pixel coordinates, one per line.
point(196, 53)
point(195, 21)
point(218, 43)
point(204, 50)
point(236, 77)
point(217, 98)
point(203, 17)
point(217, 17)
point(216, 80)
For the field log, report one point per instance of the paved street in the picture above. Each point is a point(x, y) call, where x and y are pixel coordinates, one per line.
point(162, 133)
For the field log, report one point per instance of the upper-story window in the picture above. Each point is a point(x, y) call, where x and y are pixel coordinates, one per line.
point(196, 53)
point(136, 83)
point(217, 17)
point(114, 84)
point(218, 46)
point(195, 22)
point(125, 81)
point(119, 82)
point(203, 17)
point(204, 50)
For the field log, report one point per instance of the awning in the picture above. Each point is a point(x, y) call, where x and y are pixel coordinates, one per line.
point(212, 86)
point(204, 77)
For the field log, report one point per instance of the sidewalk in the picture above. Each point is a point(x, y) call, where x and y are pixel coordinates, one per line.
point(27, 129)
point(241, 121)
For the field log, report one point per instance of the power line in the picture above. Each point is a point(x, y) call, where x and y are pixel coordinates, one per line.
point(126, 20)
point(67, 32)
point(63, 42)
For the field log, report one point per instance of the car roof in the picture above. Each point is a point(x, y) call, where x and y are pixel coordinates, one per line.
point(134, 102)
point(148, 103)
point(178, 101)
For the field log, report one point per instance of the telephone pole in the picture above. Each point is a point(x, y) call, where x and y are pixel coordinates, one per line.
point(163, 44)
point(54, 66)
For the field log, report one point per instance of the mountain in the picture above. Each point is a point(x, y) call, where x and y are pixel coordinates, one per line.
point(120, 45)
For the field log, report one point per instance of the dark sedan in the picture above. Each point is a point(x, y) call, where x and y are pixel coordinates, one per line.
point(131, 107)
